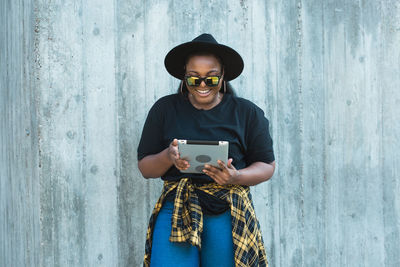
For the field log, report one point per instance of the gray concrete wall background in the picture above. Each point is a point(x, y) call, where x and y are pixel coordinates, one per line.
point(19, 179)
point(77, 80)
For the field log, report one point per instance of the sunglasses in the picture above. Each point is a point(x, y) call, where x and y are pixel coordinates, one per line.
point(196, 81)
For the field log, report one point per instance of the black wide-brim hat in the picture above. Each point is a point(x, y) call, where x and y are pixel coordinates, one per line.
point(175, 59)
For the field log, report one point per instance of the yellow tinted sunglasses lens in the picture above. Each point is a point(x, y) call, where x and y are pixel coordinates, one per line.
point(193, 81)
point(213, 80)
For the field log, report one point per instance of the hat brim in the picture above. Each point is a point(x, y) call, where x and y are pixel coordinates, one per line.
point(175, 59)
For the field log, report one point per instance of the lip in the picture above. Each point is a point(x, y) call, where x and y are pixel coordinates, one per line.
point(205, 93)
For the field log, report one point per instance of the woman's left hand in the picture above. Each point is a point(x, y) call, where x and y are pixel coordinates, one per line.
point(225, 174)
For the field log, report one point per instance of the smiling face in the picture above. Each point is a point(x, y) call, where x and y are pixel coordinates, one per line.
point(203, 96)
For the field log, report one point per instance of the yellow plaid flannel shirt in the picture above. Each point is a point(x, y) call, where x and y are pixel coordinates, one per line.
point(187, 220)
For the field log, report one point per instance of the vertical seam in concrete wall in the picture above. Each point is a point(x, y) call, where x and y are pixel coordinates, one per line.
point(117, 75)
point(278, 141)
point(324, 133)
point(382, 132)
point(362, 31)
point(301, 135)
point(37, 98)
point(36, 76)
point(84, 135)
point(35, 260)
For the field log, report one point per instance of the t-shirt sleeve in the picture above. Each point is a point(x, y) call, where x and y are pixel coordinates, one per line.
point(259, 141)
point(151, 140)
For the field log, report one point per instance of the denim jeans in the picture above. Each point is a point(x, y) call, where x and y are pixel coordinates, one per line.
point(217, 244)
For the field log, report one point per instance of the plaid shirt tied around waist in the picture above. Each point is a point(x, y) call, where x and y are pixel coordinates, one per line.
point(187, 220)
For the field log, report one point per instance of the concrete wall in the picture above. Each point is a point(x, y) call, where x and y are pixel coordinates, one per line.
point(77, 80)
point(19, 170)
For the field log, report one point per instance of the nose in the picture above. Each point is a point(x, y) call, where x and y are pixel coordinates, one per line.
point(203, 84)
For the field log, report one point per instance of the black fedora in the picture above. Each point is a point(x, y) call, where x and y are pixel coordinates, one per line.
point(175, 59)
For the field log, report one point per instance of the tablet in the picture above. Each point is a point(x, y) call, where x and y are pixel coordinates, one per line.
point(199, 153)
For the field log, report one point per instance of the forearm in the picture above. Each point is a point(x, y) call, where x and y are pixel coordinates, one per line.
point(254, 174)
point(153, 166)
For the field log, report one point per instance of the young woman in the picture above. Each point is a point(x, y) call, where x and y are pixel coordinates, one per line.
point(205, 219)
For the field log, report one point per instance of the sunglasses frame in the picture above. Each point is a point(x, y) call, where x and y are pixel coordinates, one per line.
point(203, 79)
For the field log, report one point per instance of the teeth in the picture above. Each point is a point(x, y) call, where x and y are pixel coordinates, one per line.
point(203, 92)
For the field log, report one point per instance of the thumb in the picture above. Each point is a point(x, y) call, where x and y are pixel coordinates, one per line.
point(175, 142)
point(230, 163)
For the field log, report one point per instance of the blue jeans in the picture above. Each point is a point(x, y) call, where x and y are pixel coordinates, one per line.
point(217, 244)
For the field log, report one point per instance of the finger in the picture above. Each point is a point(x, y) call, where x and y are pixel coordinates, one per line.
point(213, 176)
point(230, 163)
point(222, 165)
point(231, 167)
point(209, 172)
point(174, 146)
point(174, 152)
point(215, 173)
point(175, 156)
point(181, 167)
point(174, 142)
point(211, 168)
point(183, 163)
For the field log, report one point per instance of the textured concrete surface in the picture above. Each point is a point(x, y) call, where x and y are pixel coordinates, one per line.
point(77, 80)
point(19, 171)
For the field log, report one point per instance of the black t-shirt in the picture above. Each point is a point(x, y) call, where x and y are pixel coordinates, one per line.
point(234, 119)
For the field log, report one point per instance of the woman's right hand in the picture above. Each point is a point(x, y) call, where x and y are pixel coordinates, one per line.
point(173, 155)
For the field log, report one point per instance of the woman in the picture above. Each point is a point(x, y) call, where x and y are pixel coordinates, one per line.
point(205, 219)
